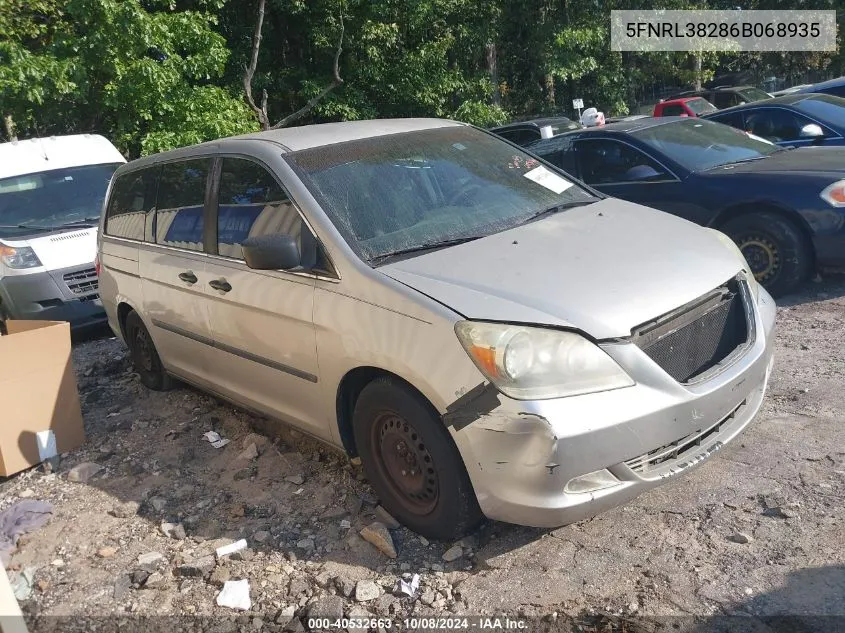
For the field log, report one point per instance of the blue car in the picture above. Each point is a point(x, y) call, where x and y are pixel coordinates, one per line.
point(835, 87)
point(795, 120)
point(785, 208)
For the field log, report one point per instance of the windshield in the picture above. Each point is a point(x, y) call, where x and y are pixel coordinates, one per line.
point(698, 145)
point(828, 108)
point(753, 94)
point(47, 200)
point(700, 106)
point(405, 191)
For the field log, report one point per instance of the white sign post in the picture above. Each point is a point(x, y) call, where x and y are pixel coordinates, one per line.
point(578, 104)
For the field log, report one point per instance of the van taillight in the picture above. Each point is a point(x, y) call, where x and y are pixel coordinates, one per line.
point(97, 265)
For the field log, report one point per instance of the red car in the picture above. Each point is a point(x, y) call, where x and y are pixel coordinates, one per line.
point(685, 106)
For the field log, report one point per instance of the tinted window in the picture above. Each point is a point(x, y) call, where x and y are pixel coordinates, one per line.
point(837, 91)
point(698, 144)
point(558, 151)
point(725, 99)
point(251, 203)
point(775, 124)
point(132, 204)
point(700, 106)
point(753, 94)
point(521, 137)
point(181, 201)
point(400, 191)
point(673, 110)
point(604, 161)
point(734, 119)
point(826, 108)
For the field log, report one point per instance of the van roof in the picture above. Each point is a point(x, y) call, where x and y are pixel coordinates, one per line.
point(34, 155)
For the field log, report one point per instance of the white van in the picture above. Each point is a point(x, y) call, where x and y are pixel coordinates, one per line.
point(51, 195)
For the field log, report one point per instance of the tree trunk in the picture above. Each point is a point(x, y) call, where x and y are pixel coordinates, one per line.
point(493, 70)
point(697, 69)
point(549, 82)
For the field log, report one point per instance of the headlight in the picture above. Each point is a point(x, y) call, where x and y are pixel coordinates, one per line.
point(529, 363)
point(834, 194)
point(20, 257)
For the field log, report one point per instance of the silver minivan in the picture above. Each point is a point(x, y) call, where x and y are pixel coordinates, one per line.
point(489, 336)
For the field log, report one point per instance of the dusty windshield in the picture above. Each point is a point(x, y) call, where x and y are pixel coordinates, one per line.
point(404, 191)
point(48, 200)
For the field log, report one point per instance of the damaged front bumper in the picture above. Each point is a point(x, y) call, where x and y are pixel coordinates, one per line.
point(547, 463)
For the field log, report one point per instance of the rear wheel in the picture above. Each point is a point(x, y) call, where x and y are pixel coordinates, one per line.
point(412, 462)
point(775, 249)
point(144, 355)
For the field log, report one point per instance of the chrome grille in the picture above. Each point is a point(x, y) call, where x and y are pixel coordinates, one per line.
point(83, 283)
point(688, 342)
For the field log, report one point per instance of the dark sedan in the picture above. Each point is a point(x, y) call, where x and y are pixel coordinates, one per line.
point(785, 208)
point(526, 132)
point(835, 87)
point(796, 119)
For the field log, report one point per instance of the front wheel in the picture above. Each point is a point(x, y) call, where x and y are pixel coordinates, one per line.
point(412, 462)
point(775, 249)
point(144, 355)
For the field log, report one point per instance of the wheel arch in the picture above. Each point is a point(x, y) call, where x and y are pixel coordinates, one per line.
point(123, 310)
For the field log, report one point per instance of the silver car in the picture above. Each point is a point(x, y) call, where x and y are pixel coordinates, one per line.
point(491, 337)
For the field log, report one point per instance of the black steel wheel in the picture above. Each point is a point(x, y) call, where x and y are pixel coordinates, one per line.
point(412, 462)
point(144, 355)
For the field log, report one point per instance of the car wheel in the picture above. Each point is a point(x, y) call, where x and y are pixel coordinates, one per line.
point(412, 462)
point(144, 355)
point(775, 249)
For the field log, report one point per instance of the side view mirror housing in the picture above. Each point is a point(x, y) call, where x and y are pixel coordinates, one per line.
point(811, 131)
point(271, 252)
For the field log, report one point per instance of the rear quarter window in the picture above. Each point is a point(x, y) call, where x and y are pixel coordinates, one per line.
point(132, 204)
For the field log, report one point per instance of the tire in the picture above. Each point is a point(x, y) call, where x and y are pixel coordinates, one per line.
point(776, 250)
point(145, 358)
point(396, 429)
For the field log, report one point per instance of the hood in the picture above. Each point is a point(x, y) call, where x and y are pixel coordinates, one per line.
point(800, 159)
point(63, 249)
point(602, 269)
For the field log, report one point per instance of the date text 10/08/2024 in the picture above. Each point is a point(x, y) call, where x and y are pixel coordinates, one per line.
point(432, 623)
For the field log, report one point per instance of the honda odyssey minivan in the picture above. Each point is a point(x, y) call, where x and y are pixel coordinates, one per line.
point(489, 336)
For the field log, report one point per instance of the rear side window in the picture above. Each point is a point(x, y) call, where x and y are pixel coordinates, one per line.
point(521, 136)
point(181, 204)
point(132, 204)
point(251, 203)
point(673, 110)
point(734, 119)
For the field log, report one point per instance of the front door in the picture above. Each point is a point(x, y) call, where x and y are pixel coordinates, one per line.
point(265, 350)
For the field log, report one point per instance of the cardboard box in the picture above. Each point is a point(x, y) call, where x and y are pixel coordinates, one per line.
point(40, 415)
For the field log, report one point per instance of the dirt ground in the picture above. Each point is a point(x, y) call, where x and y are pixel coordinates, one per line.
point(757, 531)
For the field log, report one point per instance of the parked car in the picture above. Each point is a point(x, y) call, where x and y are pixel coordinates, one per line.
point(795, 120)
point(835, 87)
point(630, 117)
point(784, 208)
point(726, 96)
point(526, 132)
point(790, 90)
point(685, 106)
point(488, 335)
point(51, 193)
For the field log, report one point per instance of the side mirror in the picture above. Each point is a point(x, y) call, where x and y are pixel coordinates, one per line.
point(811, 131)
point(271, 252)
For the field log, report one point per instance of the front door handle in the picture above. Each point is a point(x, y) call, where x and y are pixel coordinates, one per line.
point(188, 277)
point(220, 284)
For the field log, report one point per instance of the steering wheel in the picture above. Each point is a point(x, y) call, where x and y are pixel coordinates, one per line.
point(462, 192)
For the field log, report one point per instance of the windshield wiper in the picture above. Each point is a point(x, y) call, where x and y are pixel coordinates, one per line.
point(380, 259)
point(85, 222)
point(561, 207)
point(28, 227)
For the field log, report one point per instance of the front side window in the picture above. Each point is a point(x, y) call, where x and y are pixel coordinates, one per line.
point(251, 203)
point(700, 106)
point(51, 200)
point(521, 137)
point(725, 100)
point(750, 95)
point(673, 110)
point(181, 204)
point(416, 190)
point(826, 108)
point(605, 161)
point(776, 125)
point(698, 144)
point(132, 202)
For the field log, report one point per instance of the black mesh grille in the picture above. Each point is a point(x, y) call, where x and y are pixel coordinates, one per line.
point(82, 283)
point(691, 342)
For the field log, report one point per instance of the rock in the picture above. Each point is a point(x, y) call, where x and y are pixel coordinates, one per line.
point(122, 584)
point(173, 530)
point(296, 479)
point(453, 553)
point(150, 559)
point(306, 544)
point(377, 535)
point(83, 472)
point(297, 587)
point(26, 494)
point(156, 580)
point(157, 503)
point(424, 541)
point(219, 576)
point(366, 590)
point(198, 567)
point(428, 597)
point(345, 524)
point(358, 615)
point(249, 453)
point(125, 510)
point(261, 536)
point(384, 516)
point(259, 441)
point(333, 512)
point(285, 615)
point(788, 511)
point(139, 577)
point(107, 552)
point(330, 607)
point(740, 537)
point(345, 586)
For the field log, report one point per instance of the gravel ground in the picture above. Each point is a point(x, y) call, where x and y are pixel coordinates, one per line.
point(756, 531)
